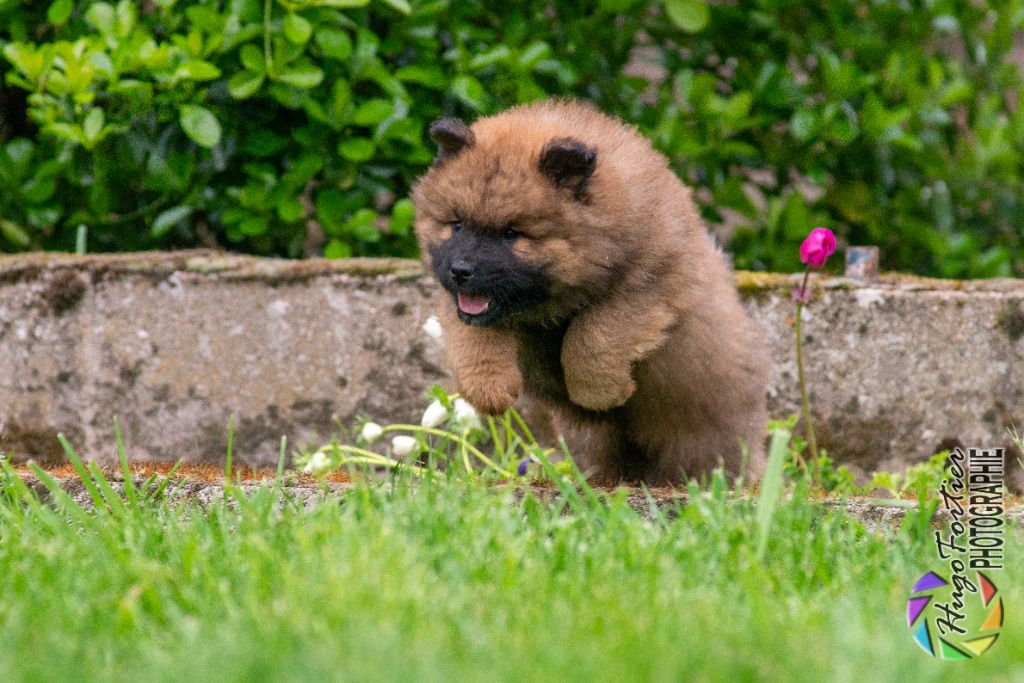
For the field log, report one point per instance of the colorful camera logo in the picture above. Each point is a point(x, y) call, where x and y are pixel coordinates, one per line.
point(955, 621)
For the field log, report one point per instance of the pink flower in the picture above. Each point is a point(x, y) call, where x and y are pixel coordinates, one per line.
point(818, 246)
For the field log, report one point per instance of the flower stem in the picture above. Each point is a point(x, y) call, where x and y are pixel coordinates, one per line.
point(811, 441)
point(268, 55)
point(361, 456)
point(473, 450)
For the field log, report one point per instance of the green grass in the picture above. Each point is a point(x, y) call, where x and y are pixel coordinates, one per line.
point(450, 577)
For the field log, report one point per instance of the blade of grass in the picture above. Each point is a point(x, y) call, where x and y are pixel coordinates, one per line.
point(162, 486)
point(280, 460)
point(522, 425)
point(570, 494)
point(15, 488)
point(87, 481)
point(771, 489)
point(122, 456)
point(231, 448)
point(114, 501)
point(60, 496)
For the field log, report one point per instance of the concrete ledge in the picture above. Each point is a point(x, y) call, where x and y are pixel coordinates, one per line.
point(175, 343)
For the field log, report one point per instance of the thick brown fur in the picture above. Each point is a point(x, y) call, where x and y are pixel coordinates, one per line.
point(636, 344)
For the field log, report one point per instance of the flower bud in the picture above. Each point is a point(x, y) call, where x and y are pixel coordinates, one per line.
point(434, 415)
point(465, 414)
point(818, 246)
point(371, 432)
point(318, 464)
point(403, 445)
point(433, 327)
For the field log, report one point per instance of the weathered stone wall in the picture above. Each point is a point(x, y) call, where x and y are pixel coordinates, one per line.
point(174, 344)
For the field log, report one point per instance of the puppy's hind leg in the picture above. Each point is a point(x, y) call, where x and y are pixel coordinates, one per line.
point(595, 441)
point(695, 454)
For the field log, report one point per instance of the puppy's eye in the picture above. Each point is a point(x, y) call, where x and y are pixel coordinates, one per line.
point(511, 234)
point(455, 226)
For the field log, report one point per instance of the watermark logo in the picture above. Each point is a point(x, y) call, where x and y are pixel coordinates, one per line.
point(956, 613)
point(966, 619)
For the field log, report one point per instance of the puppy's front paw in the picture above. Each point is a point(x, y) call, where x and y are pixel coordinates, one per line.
point(493, 395)
point(599, 390)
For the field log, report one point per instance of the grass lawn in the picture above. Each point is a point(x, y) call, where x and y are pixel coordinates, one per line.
point(455, 578)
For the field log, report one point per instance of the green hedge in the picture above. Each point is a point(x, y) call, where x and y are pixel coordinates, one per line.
point(296, 126)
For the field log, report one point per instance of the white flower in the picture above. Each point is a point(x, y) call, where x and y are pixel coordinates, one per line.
point(434, 415)
point(402, 446)
point(318, 464)
point(465, 414)
point(433, 327)
point(371, 432)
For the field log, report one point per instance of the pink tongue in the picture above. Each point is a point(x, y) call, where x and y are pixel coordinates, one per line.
point(473, 305)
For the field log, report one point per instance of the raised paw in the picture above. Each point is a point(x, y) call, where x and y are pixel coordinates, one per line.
point(599, 391)
point(493, 395)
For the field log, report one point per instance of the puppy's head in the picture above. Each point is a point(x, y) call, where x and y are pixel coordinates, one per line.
point(501, 218)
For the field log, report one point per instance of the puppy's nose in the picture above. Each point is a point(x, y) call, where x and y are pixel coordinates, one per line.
point(461, 271)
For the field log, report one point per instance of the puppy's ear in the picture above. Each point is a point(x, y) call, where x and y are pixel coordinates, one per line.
point(568, 163)
point(451, 136)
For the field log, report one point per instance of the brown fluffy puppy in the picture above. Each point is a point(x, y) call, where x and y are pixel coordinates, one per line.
point(582, 278)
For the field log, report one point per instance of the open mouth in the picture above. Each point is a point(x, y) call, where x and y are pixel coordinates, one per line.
point(473, 305)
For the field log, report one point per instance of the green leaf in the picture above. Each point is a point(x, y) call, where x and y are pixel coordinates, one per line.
point(361, 226)
point(400, 5)
point(469, 90)
point(199, 124)
point(263, 143)
point(534, 53)
point(168, 219)
point(616, 6)
point(337, 249)
point(38, 189)
point(301, 76)
point(254, 226)
point(59, 11)
point(68, 131)
point(252, 58)
point(482, 60)
point(801, 124)
point(302, 170)
point(340, 4)
point(245, 84)
point(196, 70)
point(101, 17)
point(14, 233)
point(126, 16)
point(401, 217)
point(689, 15)
point(372, 112)
point(297, 29)
point(357, 149)
point(738, 106)
point(93, 124)
point(290, 209)
point(341, 96)
point(19, 151)
point(430, 76)
point(330, 209)
point(335, 43)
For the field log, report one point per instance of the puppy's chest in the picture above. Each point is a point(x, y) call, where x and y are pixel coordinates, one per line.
point(540, 361)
